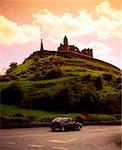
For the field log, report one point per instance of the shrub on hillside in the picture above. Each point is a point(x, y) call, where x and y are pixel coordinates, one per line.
point(112, 104)
point(19, 114)
point(11, 94)
point(12, 66)
point(99, 83)
point(36, 76)
point(4, 78)
point(41, 101)
point(90, 101)
point(107, 76)
point(53, 74)
point(20, 117)
point(119, 86)
point(87, 77)
point(64, 100)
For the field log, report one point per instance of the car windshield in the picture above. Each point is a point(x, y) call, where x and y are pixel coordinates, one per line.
point(61, 119)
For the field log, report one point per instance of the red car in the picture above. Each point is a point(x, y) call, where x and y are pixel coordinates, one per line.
point(64, 123)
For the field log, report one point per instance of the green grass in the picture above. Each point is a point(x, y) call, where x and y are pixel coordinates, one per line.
point(102, 117)
point(27, 84)
point(84, 63)
point(81, 71)
point(110, 89)
point(10, 110)
point(4, 85)
point(23, 67)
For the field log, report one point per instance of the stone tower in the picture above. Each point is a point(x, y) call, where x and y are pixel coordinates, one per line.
point(65, 41)
point(41, 48)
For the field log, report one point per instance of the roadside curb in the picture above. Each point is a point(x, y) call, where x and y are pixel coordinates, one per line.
point(48, 124)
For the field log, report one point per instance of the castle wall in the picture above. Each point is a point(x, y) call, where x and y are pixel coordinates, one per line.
point(62, 48)
point(88, 52)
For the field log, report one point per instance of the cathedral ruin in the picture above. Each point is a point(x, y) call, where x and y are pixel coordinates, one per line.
point(68, 51)
point(71, 48)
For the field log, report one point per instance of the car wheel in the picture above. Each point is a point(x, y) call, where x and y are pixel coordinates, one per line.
point(53, 129)
point(62, 129)
point(78, 128)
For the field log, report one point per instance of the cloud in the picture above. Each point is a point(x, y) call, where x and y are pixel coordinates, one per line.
point(110, 20)
point(12, 33)
point(104, 9)
point(2, 71)
point(57, 25)
point(102, 51)
point(107, 24)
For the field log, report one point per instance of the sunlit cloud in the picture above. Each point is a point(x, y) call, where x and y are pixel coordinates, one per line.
point(110, 19)
point(102, 51)
point(104, 9)
point(12, 33)
point(107, 24)
point(67, 24)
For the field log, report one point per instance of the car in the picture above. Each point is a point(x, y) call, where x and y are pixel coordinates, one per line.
point(65, 123)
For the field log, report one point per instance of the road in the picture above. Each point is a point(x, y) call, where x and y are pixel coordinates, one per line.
point(88, 138)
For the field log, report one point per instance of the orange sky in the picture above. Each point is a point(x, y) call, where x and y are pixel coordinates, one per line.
point(24, 22)
point(21, 10)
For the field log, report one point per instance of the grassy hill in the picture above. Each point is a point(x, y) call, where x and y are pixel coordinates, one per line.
point(61, 84)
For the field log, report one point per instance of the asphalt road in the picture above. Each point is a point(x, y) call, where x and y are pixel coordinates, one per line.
point(88, 138)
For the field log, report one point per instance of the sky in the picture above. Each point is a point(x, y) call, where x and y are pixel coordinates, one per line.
point(93, 24)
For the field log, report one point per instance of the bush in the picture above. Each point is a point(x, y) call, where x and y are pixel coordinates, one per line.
point(87, 77)
point(119, 80)
point(99, 83)
point(36, 76)
point(19, 114)
point(64, 100)
point(4, 78)
point(119, 86)
point(53, 74)
point(11, 94)
point(107, 76)
point(112, 104)
point(12, 66)
point(19, 119)
point(90, 101)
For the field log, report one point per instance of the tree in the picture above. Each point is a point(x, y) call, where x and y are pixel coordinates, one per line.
point(64, 100)
point(11, 94)
point(53, 74)
point(99, 83)
point(12, 66)
point(107, 76)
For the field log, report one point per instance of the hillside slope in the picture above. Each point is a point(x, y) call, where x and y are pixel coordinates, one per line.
point(63, 84)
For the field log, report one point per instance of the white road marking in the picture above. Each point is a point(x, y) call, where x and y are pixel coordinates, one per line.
point(36, 146)
point(23, 135)
point(11, 143)
point(73, 140)
point(60, 148)
point(61, 141)
point(57, 141)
